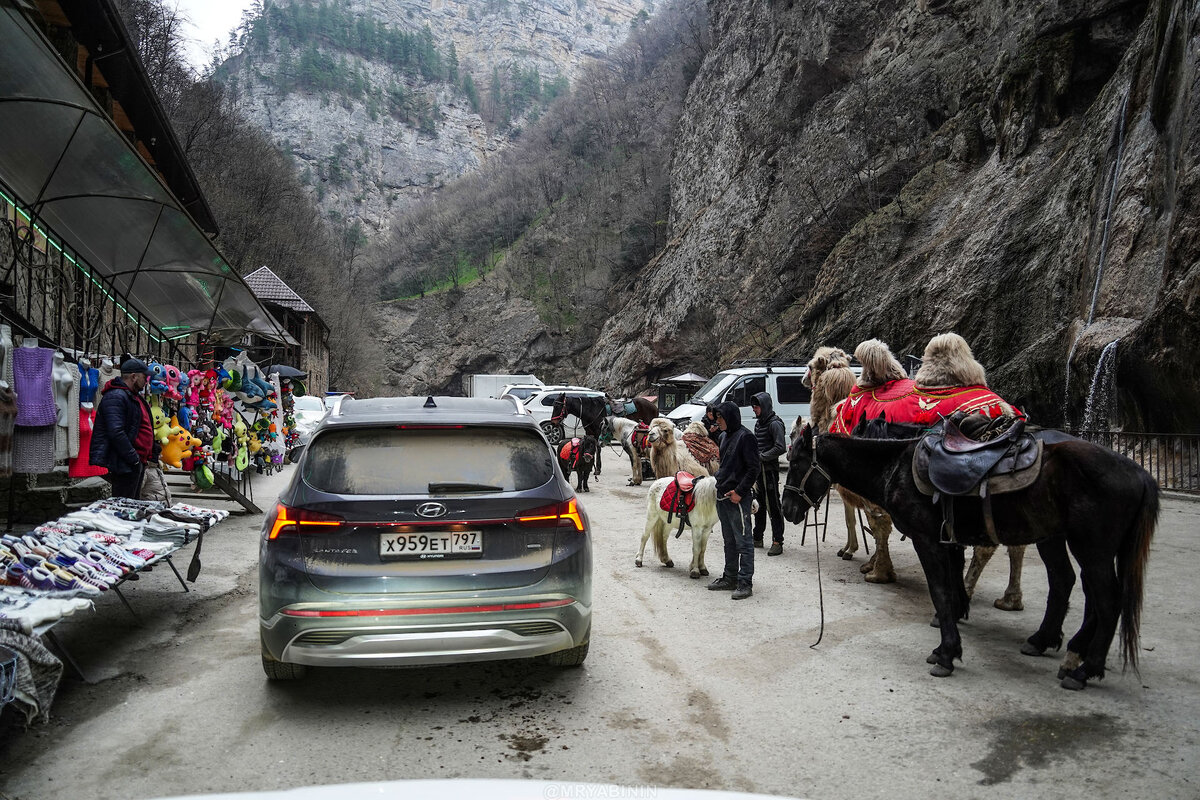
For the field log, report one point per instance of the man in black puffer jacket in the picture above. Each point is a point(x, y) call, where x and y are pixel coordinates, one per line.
point(740, 464)
point(768, 430)
point(123, 440)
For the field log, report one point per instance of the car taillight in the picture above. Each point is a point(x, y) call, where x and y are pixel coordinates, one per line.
point(295, 520)
point(565, 514)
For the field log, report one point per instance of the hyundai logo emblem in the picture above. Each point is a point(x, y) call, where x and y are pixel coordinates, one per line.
point(431, 510)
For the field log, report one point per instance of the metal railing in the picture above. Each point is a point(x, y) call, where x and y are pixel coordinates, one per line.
point(48, 291)
point(1172, 459)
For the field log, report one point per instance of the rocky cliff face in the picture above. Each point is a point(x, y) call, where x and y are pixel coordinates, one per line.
point(1022, 173)
point(364, 163)
point(1025, 174)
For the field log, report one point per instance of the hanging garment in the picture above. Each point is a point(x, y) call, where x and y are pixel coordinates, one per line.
point(8, 418)
point(32, 367)
point(6, 349)
point(105, 374)
point(33, 449)
point(79, 466)
point(66, 401)
point(89, 382)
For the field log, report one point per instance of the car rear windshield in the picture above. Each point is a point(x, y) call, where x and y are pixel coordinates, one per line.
point(411, 461)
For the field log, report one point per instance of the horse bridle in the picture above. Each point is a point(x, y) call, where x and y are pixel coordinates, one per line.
point(800, 490)
point(565, 412)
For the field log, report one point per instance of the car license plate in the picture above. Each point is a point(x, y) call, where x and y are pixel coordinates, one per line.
point(431, 544)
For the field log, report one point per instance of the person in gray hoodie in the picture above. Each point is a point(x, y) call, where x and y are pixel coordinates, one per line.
point(740, 464)
point(768, 431)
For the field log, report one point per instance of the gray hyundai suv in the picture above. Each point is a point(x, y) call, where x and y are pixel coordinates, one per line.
point(424, 531)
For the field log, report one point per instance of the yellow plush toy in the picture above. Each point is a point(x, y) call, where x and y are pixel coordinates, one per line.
point(161, 427)
point(178, 447)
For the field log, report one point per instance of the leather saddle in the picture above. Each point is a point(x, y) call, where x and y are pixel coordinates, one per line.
point(679, 499)
point(976, 456)
point(641, 437)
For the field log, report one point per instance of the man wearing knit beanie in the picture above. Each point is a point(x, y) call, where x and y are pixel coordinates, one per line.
point(123, 440)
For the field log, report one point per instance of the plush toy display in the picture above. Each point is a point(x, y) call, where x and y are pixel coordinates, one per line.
point(222, 418)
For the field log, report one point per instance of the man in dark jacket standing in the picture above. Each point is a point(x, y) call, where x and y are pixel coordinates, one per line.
point(768, 431)
point(123, 439)
point(740, 464)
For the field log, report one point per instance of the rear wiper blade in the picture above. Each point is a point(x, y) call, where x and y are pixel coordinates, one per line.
point(463, 487)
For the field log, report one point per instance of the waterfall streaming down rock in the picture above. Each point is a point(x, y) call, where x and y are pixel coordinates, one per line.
point(1112, 196)
point(1102, 394)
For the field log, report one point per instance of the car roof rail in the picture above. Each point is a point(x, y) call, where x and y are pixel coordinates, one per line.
point(337, 405)
point(768, 363)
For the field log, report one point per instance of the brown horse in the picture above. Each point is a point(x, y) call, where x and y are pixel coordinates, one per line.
point(639, 409)
point(1097, 503)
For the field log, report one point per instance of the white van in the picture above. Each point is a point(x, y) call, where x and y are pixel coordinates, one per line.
point(783, 380)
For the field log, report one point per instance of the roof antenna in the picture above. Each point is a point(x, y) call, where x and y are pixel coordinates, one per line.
point(429, 402)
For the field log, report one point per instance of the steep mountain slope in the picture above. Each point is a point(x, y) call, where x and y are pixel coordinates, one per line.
point(1022, 173)
point(381, 102)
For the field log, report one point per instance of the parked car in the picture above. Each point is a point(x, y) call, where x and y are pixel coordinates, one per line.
point(783, 380)
point(540, 405)
point(308, 412)
point(424, 531)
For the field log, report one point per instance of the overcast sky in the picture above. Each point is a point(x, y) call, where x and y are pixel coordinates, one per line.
point(211, 19)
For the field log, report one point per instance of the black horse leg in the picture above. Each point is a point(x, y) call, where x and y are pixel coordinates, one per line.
point(939, 565)
point(1061, 577)
point(1101, 612)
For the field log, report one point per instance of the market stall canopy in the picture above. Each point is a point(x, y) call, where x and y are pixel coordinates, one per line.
point(69, 164)
point(687, 377)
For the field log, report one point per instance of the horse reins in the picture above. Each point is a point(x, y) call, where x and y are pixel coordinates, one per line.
point(814, 505)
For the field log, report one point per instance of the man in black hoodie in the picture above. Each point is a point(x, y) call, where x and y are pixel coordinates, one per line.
point(740, 464)
point(768, 431)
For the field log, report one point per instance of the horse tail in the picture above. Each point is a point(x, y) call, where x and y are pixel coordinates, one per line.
point(1132, 555)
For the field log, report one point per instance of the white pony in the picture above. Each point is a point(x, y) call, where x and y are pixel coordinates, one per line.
point(702, 519)
point(623, 431)
point(668, 453)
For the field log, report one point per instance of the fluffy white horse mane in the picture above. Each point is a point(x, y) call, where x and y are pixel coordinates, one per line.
point(668, 453)
point(948, 361)
point(878, 363)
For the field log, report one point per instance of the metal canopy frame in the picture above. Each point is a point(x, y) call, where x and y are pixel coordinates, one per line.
point(78, 181)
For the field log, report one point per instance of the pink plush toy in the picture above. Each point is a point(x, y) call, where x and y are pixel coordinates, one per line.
point(227, 411)
point(196, 380)
point(171, 376)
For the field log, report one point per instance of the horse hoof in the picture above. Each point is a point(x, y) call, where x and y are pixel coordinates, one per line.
point(931, 658)
point(872, 577)
point(1009, 604)
point(694, 574)
point(1030, 649)
point(1071, 683)
point(637, 562)
point(668, 564)
point(865, 568)
point(939, 671)
point(704, 572)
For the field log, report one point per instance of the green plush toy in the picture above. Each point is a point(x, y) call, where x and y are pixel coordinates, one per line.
point(203, 476)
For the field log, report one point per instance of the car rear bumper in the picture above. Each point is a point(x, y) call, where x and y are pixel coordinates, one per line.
point(379, 641)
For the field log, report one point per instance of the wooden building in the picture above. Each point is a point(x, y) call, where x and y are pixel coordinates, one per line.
point(299, 319)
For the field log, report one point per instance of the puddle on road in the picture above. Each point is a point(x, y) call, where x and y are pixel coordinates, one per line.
point(1037, 741)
